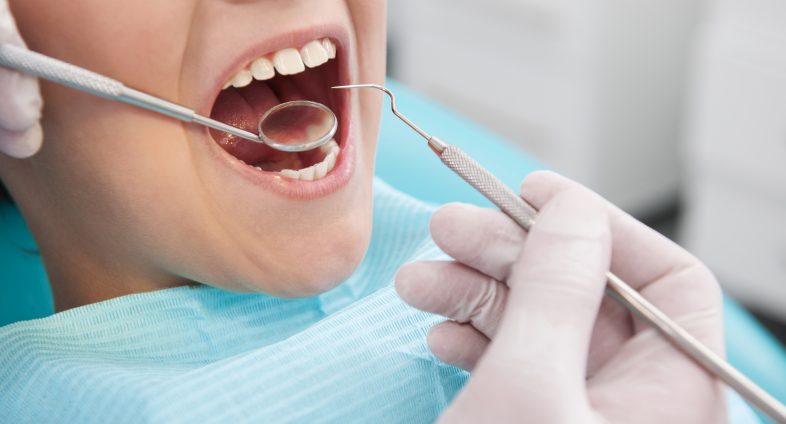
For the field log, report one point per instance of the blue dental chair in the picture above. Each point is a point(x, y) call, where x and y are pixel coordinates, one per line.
point(24, 291)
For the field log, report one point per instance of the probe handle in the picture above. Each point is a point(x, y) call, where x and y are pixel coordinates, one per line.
point(489, 186)
point(524, 214)
point(30, 62)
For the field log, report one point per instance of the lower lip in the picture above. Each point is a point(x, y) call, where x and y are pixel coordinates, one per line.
point(337, 178)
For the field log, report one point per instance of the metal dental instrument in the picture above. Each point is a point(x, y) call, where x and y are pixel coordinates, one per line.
point(295, 126)
point(525, 214)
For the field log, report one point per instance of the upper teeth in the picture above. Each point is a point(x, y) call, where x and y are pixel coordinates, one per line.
point(286, 61)
point(314, 54)
point(262, 69)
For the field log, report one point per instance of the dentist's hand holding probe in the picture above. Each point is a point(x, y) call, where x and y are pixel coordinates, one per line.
point(20, 101)
point(530, 320)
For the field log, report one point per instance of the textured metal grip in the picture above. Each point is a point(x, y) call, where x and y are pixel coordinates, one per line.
point(41, 66)
point(524, 214)
point(489, 186)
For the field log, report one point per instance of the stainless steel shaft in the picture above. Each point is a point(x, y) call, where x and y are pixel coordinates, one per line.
point(525, 214)
point(51, 69)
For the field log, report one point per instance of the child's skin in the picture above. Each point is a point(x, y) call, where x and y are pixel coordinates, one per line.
point(123, 201)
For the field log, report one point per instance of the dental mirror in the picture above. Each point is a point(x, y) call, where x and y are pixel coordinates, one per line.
point(294, 126)
point(297, 126)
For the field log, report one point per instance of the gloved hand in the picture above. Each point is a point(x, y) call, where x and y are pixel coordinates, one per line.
point(530, 321)
point(20, 100)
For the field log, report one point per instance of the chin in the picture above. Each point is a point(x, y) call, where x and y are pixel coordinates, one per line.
point(303, 219)
point(316, 275)
point(302, 268)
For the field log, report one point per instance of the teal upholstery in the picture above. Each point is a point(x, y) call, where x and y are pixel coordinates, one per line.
point(404, 162)
point(24, 289)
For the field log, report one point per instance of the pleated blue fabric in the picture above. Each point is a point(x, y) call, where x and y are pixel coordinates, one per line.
point(200, 354)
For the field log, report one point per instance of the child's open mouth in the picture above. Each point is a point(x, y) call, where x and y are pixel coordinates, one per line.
point(296, 73)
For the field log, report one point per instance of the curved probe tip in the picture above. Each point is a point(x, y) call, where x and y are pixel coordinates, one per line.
point(392, 105)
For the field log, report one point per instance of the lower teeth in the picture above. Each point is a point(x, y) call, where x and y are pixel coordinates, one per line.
point(316, 171)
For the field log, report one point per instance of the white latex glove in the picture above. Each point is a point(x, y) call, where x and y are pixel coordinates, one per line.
point(20, 100)
point(530, 321)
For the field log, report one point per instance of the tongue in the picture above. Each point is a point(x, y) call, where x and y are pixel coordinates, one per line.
point(243, 111)
point(243, 107)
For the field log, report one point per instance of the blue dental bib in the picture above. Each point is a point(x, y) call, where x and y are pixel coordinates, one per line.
point(201, 354)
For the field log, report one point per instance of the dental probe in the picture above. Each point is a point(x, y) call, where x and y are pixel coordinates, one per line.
point(525, 214)
point(42, 66)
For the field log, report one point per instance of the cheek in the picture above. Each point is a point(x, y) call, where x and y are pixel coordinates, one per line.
point(112, 37)
point(369, 21)
point(119, 178)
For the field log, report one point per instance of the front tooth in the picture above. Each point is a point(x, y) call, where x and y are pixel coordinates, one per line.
point(314, 54)
point(290, 173)
point(242, 79)
point(320, 170)
point(262, 69)
point(307, 174)
point(288, 62)
point(330, 48)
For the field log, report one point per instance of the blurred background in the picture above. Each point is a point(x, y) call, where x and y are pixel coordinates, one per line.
point(673, 109)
